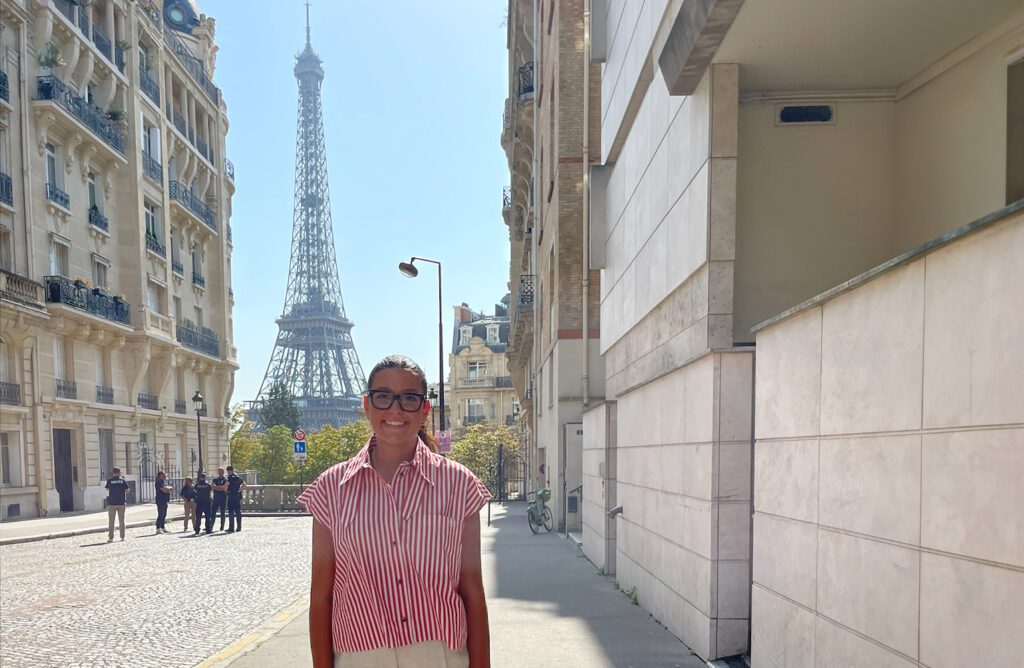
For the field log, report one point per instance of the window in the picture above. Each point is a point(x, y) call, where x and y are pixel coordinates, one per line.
point(199, 318)
point(100, 269)
point(465, 333)
point(197, 265)
point(6, 256)
point(477, 369)
point(94, 199)
point(59, 248)
point(60, 370)
point(492, 334)
point(155, 297)
point(102, 367)
point(551, 387)
point(5, 368)
point(475, 408)
point(177, 309)
point(52, 172)
point(175, 243)
point(10, 460)
point(106, 452)
point(5, 461)
point(152, 221)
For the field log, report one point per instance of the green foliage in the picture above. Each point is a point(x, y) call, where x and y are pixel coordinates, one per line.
point(331, 445)
point(275, 455)
point(245, 445)
point(280, 408)
point(476, 448)
point(631, 595)
point(270, 452)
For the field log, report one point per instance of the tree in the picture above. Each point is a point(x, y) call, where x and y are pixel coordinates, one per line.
point(246, 444)
point(477, 449)
point(331, 445)
point(274, 458)
point(280, 408)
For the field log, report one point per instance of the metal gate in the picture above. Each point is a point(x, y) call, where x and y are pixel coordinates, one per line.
point(149, 465)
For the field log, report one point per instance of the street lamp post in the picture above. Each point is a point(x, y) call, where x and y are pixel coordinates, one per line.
point(433, 409)
point(409, 269)
point(197, 402)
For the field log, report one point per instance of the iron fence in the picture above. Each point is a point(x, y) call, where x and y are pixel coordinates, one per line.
point(66, 389)
point(104, 395)
point(526, 80)
point(10, 394)
point(150, 401)
point(97, 219)
point(57, 196)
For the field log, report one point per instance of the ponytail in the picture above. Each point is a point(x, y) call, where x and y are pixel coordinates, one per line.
point(428, 440)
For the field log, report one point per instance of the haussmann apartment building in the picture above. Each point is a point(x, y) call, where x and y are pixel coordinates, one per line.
point(115, 249)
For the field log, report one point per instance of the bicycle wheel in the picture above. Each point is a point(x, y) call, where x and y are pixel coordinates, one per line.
point(533, 520)
point(548, 522)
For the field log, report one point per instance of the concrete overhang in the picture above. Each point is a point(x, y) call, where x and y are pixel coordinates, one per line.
point(689, 46)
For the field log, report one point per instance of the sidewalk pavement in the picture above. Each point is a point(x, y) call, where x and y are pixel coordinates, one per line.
point(77, 524)
point(547, 605)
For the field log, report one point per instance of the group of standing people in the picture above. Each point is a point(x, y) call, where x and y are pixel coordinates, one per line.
point(201, 499)
point(226, 493)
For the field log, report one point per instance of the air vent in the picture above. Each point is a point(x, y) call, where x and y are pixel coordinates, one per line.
point(574, 506)
point(805, 114)
point(14, 510)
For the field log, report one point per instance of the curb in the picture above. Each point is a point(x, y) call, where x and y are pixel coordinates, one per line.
point(257, 637)
point(130, 525)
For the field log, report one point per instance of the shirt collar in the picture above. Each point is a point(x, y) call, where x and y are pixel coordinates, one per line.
point(422, 461)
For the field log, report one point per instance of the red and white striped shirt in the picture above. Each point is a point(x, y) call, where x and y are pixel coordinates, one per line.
point(397, 549)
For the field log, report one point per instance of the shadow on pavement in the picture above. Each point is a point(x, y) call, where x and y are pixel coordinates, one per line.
point(102, 542)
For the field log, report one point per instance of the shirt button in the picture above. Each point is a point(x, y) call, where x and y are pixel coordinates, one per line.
point(394, 543)
point(399, 581)
point(404, 620)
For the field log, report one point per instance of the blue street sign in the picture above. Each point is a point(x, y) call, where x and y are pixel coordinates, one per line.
point(300, 447)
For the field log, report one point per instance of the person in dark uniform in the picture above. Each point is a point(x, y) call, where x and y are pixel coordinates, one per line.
point(188, 500)
point(203, 491)
point(118, 491)
point(235, 487)
point(163, 497)
point(220, 497)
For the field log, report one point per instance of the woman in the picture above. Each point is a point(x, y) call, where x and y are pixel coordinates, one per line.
point(396, 577)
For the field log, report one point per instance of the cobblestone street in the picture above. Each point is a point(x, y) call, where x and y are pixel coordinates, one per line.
point(153, 600)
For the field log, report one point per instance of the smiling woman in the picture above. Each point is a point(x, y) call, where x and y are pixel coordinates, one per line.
point(396, 576)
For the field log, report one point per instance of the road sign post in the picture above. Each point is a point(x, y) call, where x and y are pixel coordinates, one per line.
point(299, 452)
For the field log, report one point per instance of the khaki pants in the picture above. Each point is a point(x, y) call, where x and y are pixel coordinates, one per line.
point(190, 512)
point(111, 511)
point(434, 654)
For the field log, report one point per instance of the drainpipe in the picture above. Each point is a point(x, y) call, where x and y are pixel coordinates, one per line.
point(534, 238)
point(586, 204)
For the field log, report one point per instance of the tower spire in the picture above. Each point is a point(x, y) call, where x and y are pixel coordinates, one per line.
point(309, 44)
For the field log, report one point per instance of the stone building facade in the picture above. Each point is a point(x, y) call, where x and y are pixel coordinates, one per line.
point(115, 249)
point(551, 132)
point(479, 386)
point(756, 155)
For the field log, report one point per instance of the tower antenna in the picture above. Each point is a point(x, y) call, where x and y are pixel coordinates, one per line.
point(307, 24)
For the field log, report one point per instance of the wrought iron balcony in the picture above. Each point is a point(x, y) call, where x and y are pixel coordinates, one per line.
point(177, 267)
point(10, 394)
point(526, 289)
point(152, 167)
point(153, 244)
point(198, 279)
point(473, 419)
point(102, 42)
point(204, 149)
point(179, 193)
point(228, 227)
point(193, 65)
point(510, 420)
point(150, 401)
point(506, 197)
point(204, 412)
point(204, 341)
point(57, 196)
point(83, 21)
point(51, 87)
point(149, 86)
point(6, 190)
point(179, 122)
point(5, 92)
point(526, 81)
point(66, 389)
point(104, 395)
point(503, 381)
point(179, 406)
point(119, 58)
point(97, 219)
point(229, 169)
point(62, 290)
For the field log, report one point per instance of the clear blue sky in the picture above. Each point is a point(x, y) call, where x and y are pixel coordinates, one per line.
point(412, 97)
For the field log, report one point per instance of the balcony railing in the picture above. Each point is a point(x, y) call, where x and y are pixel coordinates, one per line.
point(149, 86)
point(503, 381)
point(20, 289)
point(10, 394)
point(57, 196)
point(229, 169)
point(6, 190)
point(526, 289)
point(204, 341)
point(154, 245)
point(83, 21)
point(526, 81)
point(119, 58)
point(193, 65)
point(50, 87)
point(510, 420)
point(473, 419)
point(177, 267)
point(228, 227)
point(104, 395)
point(102, 42)
point(97, 219)
point(66, 389)
point(506, 197)
point(198, 279)
point(5, 92)
point(203, 147)
point(180, 193)
point(179, 406)
point(179, 122)
point(150, 401)
point(62, 290)
point(483, 381)
point(152, 167)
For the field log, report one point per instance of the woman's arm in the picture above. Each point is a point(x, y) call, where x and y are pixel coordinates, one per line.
point(320, 591)
point(471, 590)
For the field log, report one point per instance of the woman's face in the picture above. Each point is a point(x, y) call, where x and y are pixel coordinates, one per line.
point(393, 425)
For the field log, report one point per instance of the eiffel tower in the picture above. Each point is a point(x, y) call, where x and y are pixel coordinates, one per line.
point(314, 354)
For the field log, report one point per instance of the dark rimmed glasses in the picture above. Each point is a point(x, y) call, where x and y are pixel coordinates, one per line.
point(410, 402)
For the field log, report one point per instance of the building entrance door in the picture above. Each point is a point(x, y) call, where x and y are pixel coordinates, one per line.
point(62, 469)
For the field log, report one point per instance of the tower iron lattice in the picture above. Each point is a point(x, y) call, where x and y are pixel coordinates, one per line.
point(314, 354)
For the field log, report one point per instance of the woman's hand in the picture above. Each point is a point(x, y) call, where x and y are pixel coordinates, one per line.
point(321, 588)
point(471, 590)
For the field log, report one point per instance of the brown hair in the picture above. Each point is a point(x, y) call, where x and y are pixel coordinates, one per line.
point(404, 363)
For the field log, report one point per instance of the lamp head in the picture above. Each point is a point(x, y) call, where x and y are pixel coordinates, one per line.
point(197, 400)
point(408, 269)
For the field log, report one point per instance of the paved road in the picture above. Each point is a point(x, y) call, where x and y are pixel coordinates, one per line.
point(153, 600)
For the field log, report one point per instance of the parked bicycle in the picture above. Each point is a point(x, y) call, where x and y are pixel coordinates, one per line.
point(537, 513)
